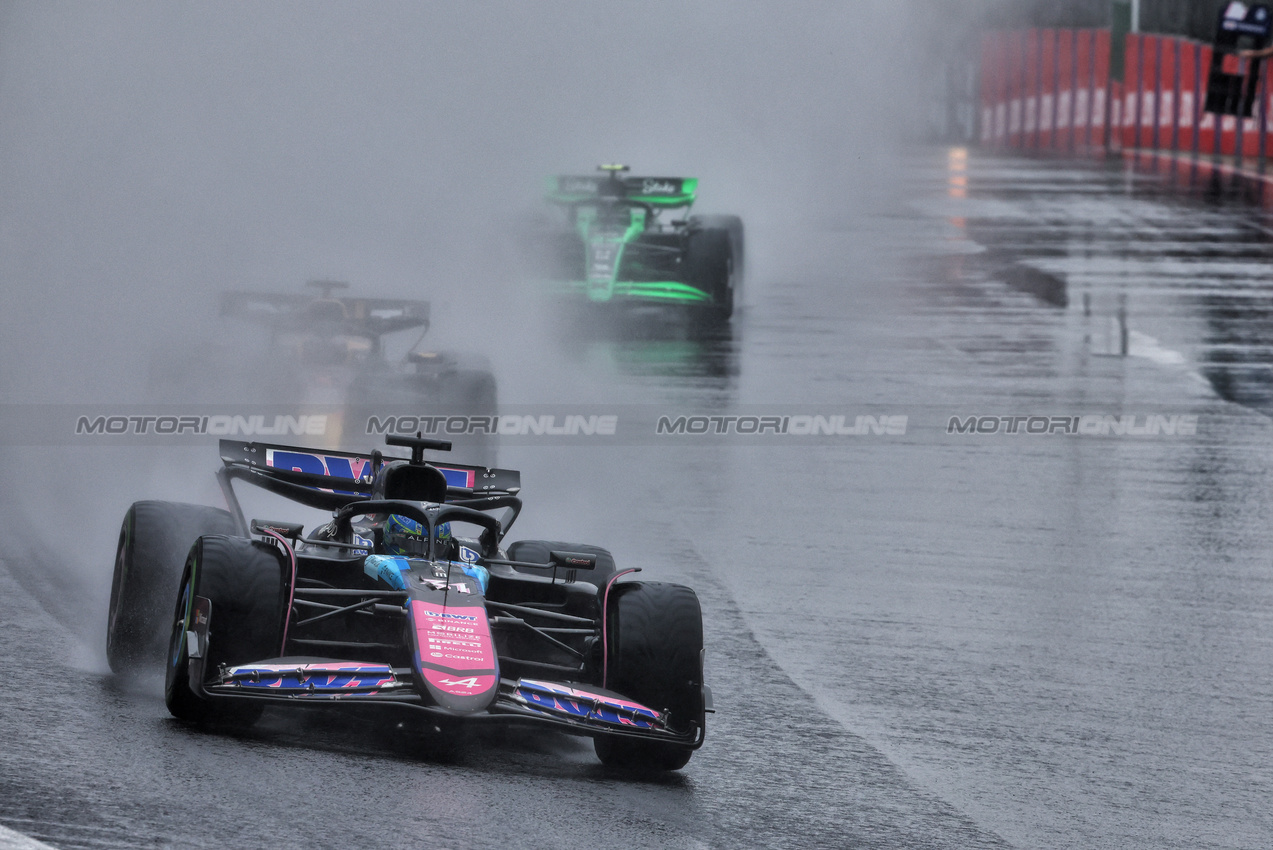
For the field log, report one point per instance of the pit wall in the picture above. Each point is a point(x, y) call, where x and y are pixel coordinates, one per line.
point(1051, 90)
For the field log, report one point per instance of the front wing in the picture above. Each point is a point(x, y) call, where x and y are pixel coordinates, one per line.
point(631, 291)
point(579, 709)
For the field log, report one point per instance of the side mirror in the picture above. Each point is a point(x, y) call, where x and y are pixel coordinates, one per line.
point(283, 529)
point(573, 560)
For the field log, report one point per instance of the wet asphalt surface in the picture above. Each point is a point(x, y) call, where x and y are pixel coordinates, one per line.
point(926, 639)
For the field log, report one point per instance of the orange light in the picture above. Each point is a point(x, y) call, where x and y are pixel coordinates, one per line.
point(957, 164)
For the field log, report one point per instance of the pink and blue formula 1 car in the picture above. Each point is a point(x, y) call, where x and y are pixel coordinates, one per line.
point(407, 598)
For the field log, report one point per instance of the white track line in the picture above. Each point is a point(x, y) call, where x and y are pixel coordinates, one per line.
point(10, 840)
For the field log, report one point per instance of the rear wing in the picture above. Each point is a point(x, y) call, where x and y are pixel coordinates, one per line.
point(655, 191)
point(365, 316)
point(329, 480)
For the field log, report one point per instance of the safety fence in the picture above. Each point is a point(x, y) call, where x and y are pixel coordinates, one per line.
point(1052, 89)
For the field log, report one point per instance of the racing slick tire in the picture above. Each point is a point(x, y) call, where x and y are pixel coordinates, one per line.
point(537, 552)
point(655, 632)
point(709, 266)
point(153, 543)
point(244, 581)
point(734, 225)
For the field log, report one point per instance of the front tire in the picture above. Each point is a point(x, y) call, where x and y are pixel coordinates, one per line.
point(709, 266)
point(244, 581)
point(656, 649)
point(734, 226)
point(728, 295)
point(153, 543)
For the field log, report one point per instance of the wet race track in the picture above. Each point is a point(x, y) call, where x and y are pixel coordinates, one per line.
point(919, 639)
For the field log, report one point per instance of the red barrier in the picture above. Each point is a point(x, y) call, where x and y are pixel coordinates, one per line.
point(1165, 129)
point(989, 82)
point(1049, 89)
point(1264, 105)
point(1030, 93)
point(1228, 133)
point(1190, 97)
point(1150, 92)
point(1130, 111)
point(1084, 65)
point(1206, 121)
point(1016, 85)
point(1002, 90)
point(1066, 81)
point(1248, 131)
point(1101, 91)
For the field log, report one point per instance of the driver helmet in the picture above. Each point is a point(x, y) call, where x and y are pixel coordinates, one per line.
point(405, 536)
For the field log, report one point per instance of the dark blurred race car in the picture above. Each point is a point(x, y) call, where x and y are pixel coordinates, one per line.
point(339, 343)
point(352, 357)
point(406, 597)
point(619, 244)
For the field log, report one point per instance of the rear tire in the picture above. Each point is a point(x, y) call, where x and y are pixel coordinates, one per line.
point(655, 632)
point(244, 580)
point(153, 543)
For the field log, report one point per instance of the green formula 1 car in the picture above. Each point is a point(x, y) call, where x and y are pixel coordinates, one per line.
point(618, 247)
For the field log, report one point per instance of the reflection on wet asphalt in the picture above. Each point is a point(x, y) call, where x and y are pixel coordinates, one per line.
point(923, 640)
point(107, 767)
point(1065, 636)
